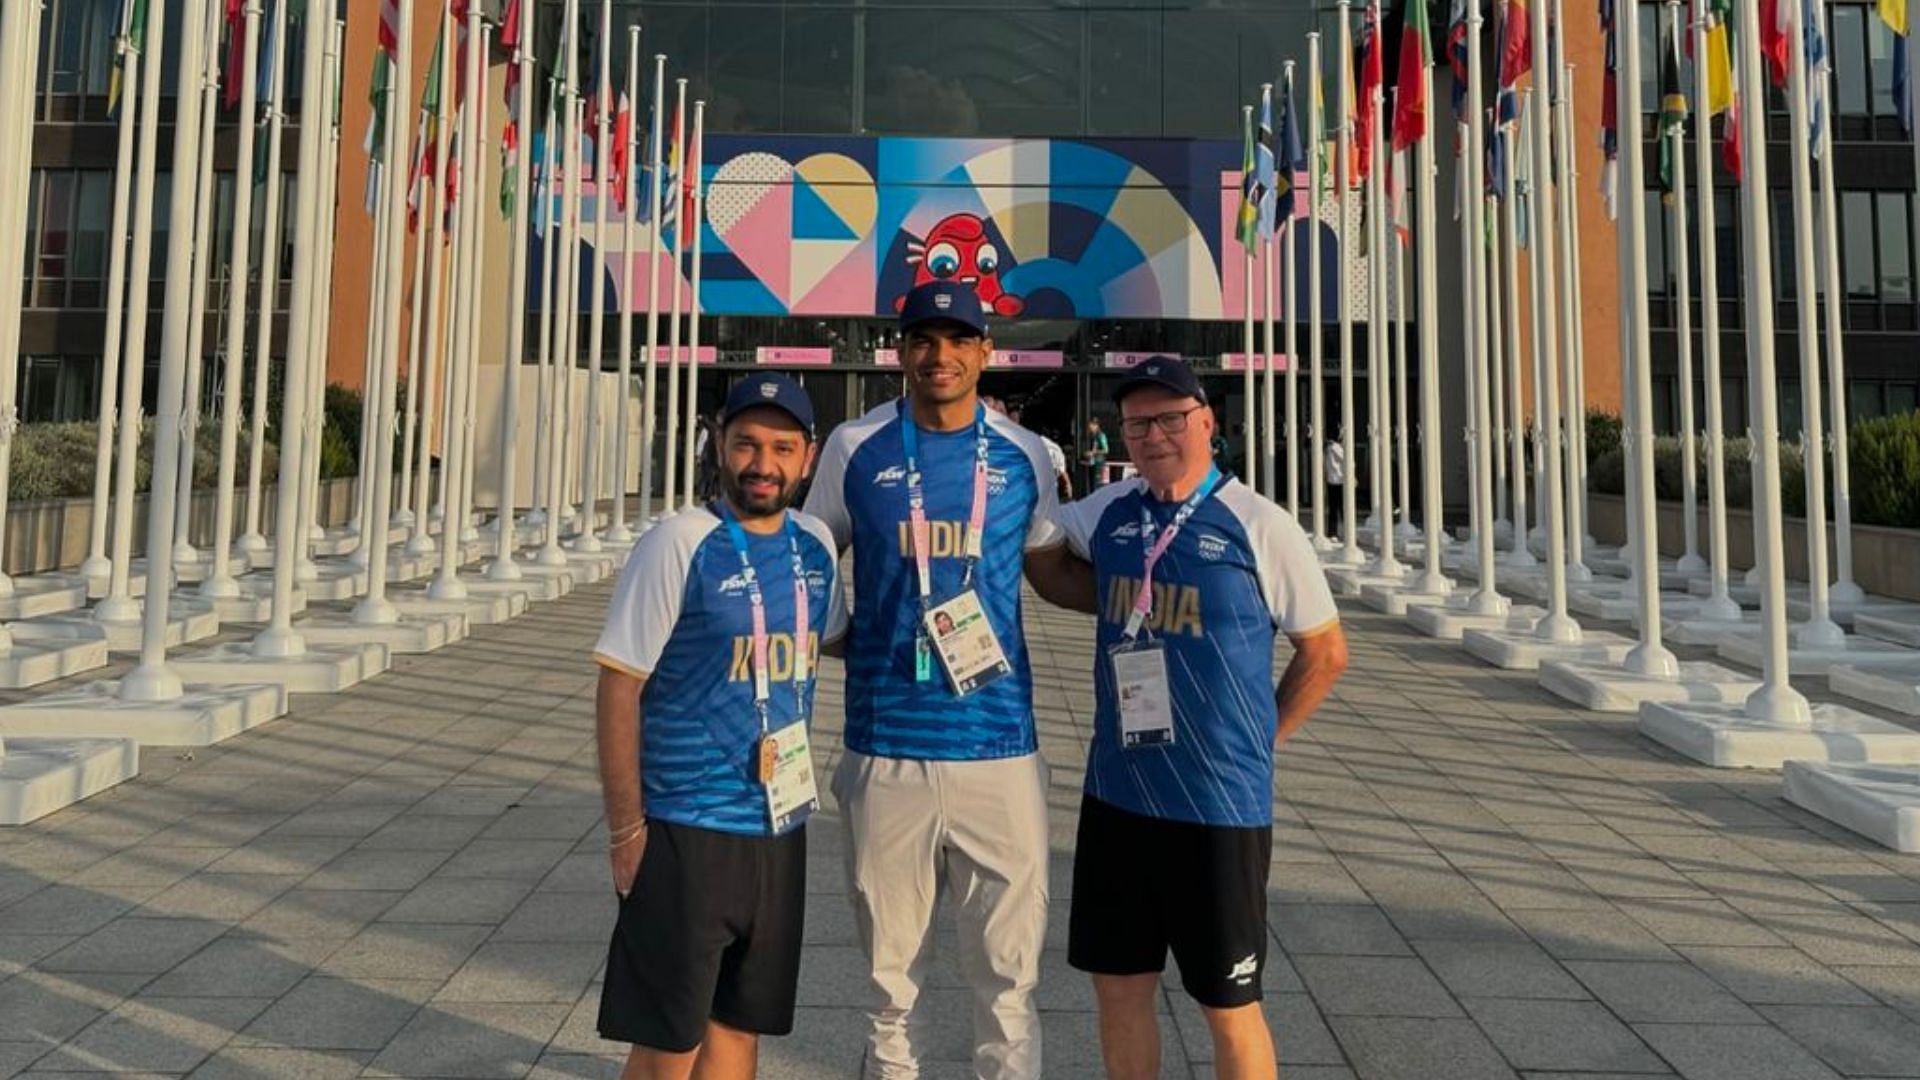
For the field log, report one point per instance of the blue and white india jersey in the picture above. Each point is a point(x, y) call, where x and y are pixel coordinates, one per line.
point(1237, 572)
point(860, 492)
point(680, 619)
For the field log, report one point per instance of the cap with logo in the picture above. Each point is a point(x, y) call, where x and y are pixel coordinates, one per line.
point(943, 301)
point(1165, 372)
point(769, 391)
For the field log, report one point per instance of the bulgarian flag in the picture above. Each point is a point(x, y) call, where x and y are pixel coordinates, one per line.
point(1410, 96)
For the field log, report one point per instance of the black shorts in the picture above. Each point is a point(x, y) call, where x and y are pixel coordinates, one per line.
point(710, 930)
point(1144, 885)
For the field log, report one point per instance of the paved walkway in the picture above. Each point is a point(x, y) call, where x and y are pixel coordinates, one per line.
point(1470, 880)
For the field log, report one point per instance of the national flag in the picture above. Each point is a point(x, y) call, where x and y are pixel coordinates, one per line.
point(1730, 139)
point(1397, 192)
point(510, 21)
point(460, 9)
point(1499, 155)
point(1522, 186)
point(1323, 153)
point(621, 165)
point(1897, 15)
point(1292, 158)
point(375, 142)
point(509, 168)
point(1719, 58)
point(1819, 70)
point(670, 180)
point(690, 182)
point(1263, 164)
point(1372, 78)
point(133, 30)
point(1609, 118)
point(390, 27)
point(236, 20)
point(1776, 23)
point(1410, 95)
point(1516, 57)
point(1457, 58)
point(426, 163)
point(1673, 113)
point(264, 89)
point(1247, 227)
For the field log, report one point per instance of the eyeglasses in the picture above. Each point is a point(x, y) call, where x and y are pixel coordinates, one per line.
point(1169, 423)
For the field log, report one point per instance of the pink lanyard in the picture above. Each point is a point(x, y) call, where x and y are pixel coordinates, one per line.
point(1143, 600)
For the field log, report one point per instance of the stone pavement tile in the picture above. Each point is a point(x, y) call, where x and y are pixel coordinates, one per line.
point(580, 872)
point(1537, 885)
point(147, 865)
point(1600, 934)
point(1763, 891)
point(459, 900)
point(157, 1034)
point(564, 916)
point(227, 898)
point(528, 860)
point(1697, 922)
point(1844, 939)
point(553, 1066)
point(1305, 929)
point(1787, 845)
point(1490, 969)
point(319, 913)
point(1563, 1035)
point(416, 831)
point(325, 1013)
point(135, 946)
point(1660, 993)
point(1710, 853)
point(836, 975)
point(535, 973)
point(18, 951)
point(1374, 986)
point(271, 854)
point(1400, 1048)
point(1857, 1041)
point(1897, 986)
point(243, 966)
point(830, 923)
point(1775, 976)
point(1313, 883)
point(1299, 1033)
point(1346, 833)
point(1576, 840)
point(1860, 881)
point(1636, 878)
point(1535, 807)
point(16, 1056)
point(1903, 918)
point(346, 817)
point(580, 1033)
point(1732, 1052)
point(1473, 848)
point(485, 800)
point(545, 823)
point(405, 951)
point(1466, 916)
point(70, 909)
point(470, 1039)
point(826, 1044)
point(375, 869)
point(254, 1062)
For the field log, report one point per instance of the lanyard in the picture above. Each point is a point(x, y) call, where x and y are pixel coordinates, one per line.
point(1143, 600)
point(761, 660)
point(917, 502)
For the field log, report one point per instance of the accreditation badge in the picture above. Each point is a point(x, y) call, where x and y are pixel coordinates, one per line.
point(964, 641)
point(786, 772)
point(1144, 701)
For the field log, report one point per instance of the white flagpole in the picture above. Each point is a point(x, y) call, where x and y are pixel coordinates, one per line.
point(252, 541)
point(447, 584)
point(670, 471)
point(98, 566)
point(1316, 389)
point(1572, 433)
point(618, 532)
point(184, 553)
point(1650, 657)
point(19, 64)
point(322, 341)
point(1432, 580)
point(1379, 330)
point(506, 537)
point(219, 581)
point(433, 212)
point(551, 554)
point(1690, 563)
point(1819, 629)
point(543, 394)
point(649, 398)
point(1486, 599)
point(1247, 389)
point(403, 513)
point(1350, 553)
point(470, 405)
point(1507, 242)
point(1403, 462)
point(695, 160)
point(1290, 423)
point(589, 536)
point(1719, 604)
point(1845, 591)
point(1269, 254)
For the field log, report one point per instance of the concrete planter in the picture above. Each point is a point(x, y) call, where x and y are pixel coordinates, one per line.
point(1886, 561)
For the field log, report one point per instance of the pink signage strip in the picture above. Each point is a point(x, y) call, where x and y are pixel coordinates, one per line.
point(1027, 358)
point(887, 357)
point(1127, 359)
point(1234, 361)
point(708, 355)
point(793, 354)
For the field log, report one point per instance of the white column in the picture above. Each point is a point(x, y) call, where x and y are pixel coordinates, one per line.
point(565, 314)
point(1507, 241)
point(97, 565)
point(504, 567)
point(1486, 599)
point(1719, 604)
point(695, 159)
point(1426, 230)
point(447, 584)
point(416, 323)
point(432, 201)
point(649, 419)
point(1343, 172)
point(543, 394)
point(252, 541)
point(1316, 451)
point(671, 462)
point(589, 539)
point(470, 405)
point(1573, 424)
point(1290, 424)
point(1379, 329)
point(617, 531)
point(1690, 562)
point(183, 550)
point(1248, 390)
point(1845, 591)
point(19, 63)
point(1402, 452)
point(1269, 254)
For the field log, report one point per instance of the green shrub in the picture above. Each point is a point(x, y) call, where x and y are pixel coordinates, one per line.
point(1603, 434)
point(1883, 456)
point(52, 461)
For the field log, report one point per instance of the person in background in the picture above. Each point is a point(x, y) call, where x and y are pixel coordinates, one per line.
point(1095, 455)
point(1336, 469)
point(1062, 478)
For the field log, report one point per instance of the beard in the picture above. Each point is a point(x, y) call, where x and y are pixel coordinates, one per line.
point(758, 504)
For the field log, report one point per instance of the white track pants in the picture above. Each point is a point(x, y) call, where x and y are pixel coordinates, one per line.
point(980, 829)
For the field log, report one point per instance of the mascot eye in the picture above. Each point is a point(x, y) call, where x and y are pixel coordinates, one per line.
point(988, 259)
point(943, 260)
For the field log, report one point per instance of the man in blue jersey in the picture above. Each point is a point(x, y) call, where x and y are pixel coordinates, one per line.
point(1192, 575)
point(707, 666)
point(943, 502)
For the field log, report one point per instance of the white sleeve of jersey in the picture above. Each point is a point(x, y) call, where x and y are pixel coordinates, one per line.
point(1295, 588)
point(1080, 518)
point(827, 498)
point(646, 600)
point(836, 589)
point(1042, 530)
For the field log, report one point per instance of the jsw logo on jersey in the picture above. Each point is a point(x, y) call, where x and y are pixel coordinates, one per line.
point(1126, 531)
point(1176, 608)
point(945, 540)
point(736, 585)
point(779, 657)
point(891, 476)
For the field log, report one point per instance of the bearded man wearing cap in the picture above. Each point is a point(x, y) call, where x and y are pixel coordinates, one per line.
point(1189, 574)
point(707, 672)
point(943, 503)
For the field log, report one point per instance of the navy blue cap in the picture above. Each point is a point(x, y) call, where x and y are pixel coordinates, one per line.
point(1166, 372)
point(769, 390)
point(947, 301)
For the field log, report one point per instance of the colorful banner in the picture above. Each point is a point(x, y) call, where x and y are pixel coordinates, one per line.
point(794, 355)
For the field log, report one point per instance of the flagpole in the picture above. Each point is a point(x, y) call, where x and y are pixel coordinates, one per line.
point(1433, 579)
point(543, 391)
point(403, 515)
point(670, 471)
point(1247, 391)
point(432, 198)
point(1379, 328)
point(1315, 387)
point(1404, 529)
point(566, 308)
point(1486, 599)
point(1818, 630)
point(504, 566)
point(1719, 605)
point(1291, 294)
point(1572, 429)
point(481, 34)
point(1350, 553)
point(695, 160)
point(1507, 242)
point(184, 553)
point(322, 341)
point(1676, 200)
point(447, 584)
point(219, 581)
point(588, 539)
point(97, 566)
point(649, 417)
point(618, 532)
point(1845, 592)
point(1269, 251)
point(19, 60)
point(252, 542)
